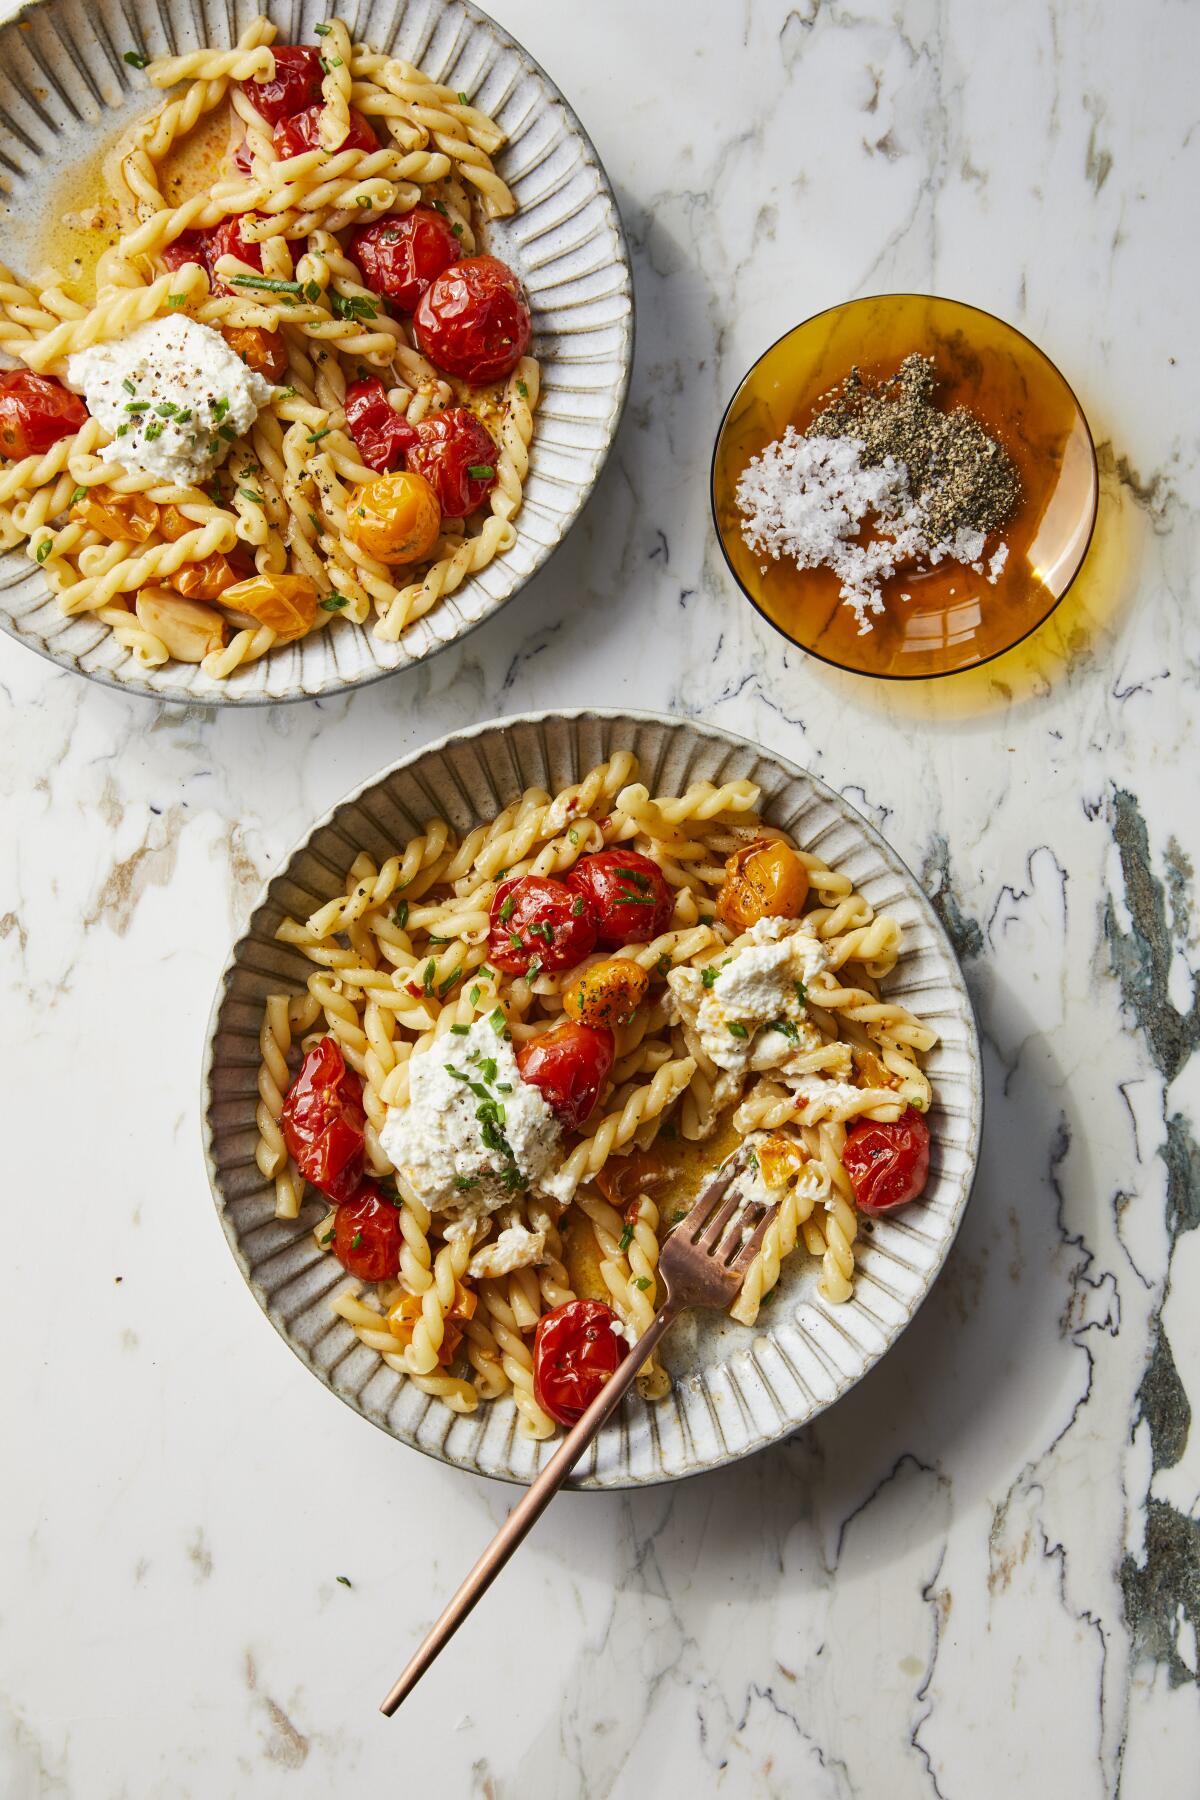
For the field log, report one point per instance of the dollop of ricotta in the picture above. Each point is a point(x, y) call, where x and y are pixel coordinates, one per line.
point(752, 1013)
point(514, 1248)
point(473, 1135)
point(172, 396)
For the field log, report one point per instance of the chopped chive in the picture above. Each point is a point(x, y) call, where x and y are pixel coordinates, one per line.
point(345, 1580)
point(457, 229)
point(246, 493)
point(314, 437)
point(79, 494)
point(736, 1030)
point(44, 549)
point(473, 996)
point(643, 1282)
point(356, 1241)
point(401, 914)
point(497, 1020)
point(460, 1030)
point(322, 30)
point(445, 986)
point(480, 471)
point(129, 386)
point(136, 60)
point(626, 1238)
point(427, 977)
point(137, 406)
point(219, 407)
point(153, 430)
point(312, 291)
point(522, 390)
point(167, 410)
point(269, 283)
point(338, 603)
point(462, 98)
point(176, 299)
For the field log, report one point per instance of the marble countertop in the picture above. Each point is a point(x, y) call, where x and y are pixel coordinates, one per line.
point(977, 1576)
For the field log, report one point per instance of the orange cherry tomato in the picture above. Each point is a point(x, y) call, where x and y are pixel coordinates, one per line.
point(205, 580)
point(258, 349)
point(606, 993)
point(287, 603)
point(765, 880)
point(395, 518)
point(118, 516)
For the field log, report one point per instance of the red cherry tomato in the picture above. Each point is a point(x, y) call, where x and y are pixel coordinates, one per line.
point(575, 1353)
point(188, 247)
point(295, 84)
point(474, 320)
point(366, 1235)
point(292, 137)
point(381, 434)
point(243, 160)
point(228, 240)
point(569, 1065)
point(399, 257)
point(888, 1164)
point(35, 411)
point(457, 456)
point(627, 894)
point(536, 918)
point(323, 1121)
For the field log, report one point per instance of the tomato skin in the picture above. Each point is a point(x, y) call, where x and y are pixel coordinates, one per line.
point(534, 916)
point(35, 411)
point(293, 136)
point(448, 445)
point(296, 83)
point(575, 1353)
point(474, 320)
point(366, 1235)
point(188, 247)
point(323, 1122)
point(381, 435)
point(227, 240)
point(399, 257)
point(628, 895)
point(569, 1066)
point(888, 1163)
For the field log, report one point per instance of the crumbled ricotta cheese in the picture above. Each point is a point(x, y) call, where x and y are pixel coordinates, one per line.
point(515, 1248)
point(473, 1135)
point(818, 1097)
point(752, 1013)
point(767, 1179)
point(172, 396)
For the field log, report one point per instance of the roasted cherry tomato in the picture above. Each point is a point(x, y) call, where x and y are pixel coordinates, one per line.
point(400, 256)
point(227, 240)
point(395, 518)
point(264, 351)
point(287, 603)
point(606, 993)
point(323, 1121)
point(188, 247)
point(457, 456)
point(627, 893)
point(403, 1314)
point(537, 919)
point(888, 1164)
point(301, 132)
point(295, 84)
point(624, 1179)
point(243, 158)
point(366, 1235)
point(577, 1350)
point(381, 435)
point(765, 880)
point(474, 320)
point(204, 580)
point(35, 411)
point(569, 1065)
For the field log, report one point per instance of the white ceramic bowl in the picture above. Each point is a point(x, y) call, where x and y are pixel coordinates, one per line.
point(65, 92)
point(735, 1389)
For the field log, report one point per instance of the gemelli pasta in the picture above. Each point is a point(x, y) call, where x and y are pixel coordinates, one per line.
point(299, 395)
point(521, 1052)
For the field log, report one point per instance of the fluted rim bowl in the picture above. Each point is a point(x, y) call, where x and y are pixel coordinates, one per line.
point(65, 91)
point(735, 1389)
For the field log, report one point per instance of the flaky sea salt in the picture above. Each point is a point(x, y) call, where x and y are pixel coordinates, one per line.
point(811, 499)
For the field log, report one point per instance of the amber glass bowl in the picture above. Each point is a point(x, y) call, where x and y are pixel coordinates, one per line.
point(952, 618)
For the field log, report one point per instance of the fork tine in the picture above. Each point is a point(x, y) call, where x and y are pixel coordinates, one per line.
point(713, 1232)
point(739, 1230)
point(703, 1206)
point(754, 1243)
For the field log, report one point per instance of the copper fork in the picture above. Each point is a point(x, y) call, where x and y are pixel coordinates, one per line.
point(703, 1263)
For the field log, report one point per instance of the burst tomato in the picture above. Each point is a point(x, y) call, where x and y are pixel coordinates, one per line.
point(474, 320)
point(366, 1235)
point(188, 247)
point(323, 1122)
point(228, 240)
point(35, 411)
point(888, 1163)
point(537, 919)
point(576, 1352)
point(568, 1065)
point(627, 894)
point(399, 257)
point(381, 435)
point(295, 84)
point(457, 456)
point(293, 136)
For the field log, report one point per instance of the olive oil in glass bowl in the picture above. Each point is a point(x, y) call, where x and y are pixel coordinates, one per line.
point(952, 617)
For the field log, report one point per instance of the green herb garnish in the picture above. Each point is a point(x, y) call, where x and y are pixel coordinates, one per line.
point(136, 60)
point(334, 603)
point(401, 914)
point(480, 471)
point(736, 1029)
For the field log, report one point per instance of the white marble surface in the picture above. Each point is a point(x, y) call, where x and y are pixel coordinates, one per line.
point(978, 1576)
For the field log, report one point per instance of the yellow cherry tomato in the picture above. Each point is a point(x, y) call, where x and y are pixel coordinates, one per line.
point(395, 518)
point(606, 993)
point(287, 603)
point(765, 880)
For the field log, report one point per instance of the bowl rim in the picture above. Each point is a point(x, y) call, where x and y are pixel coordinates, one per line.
point(953, 972)
point(881, 674)
point(142, 687)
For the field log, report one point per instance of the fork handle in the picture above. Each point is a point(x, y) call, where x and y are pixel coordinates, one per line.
point(529, 1509)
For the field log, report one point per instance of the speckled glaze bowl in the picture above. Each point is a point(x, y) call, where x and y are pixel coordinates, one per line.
point(65, 93)
point(735, 1389)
